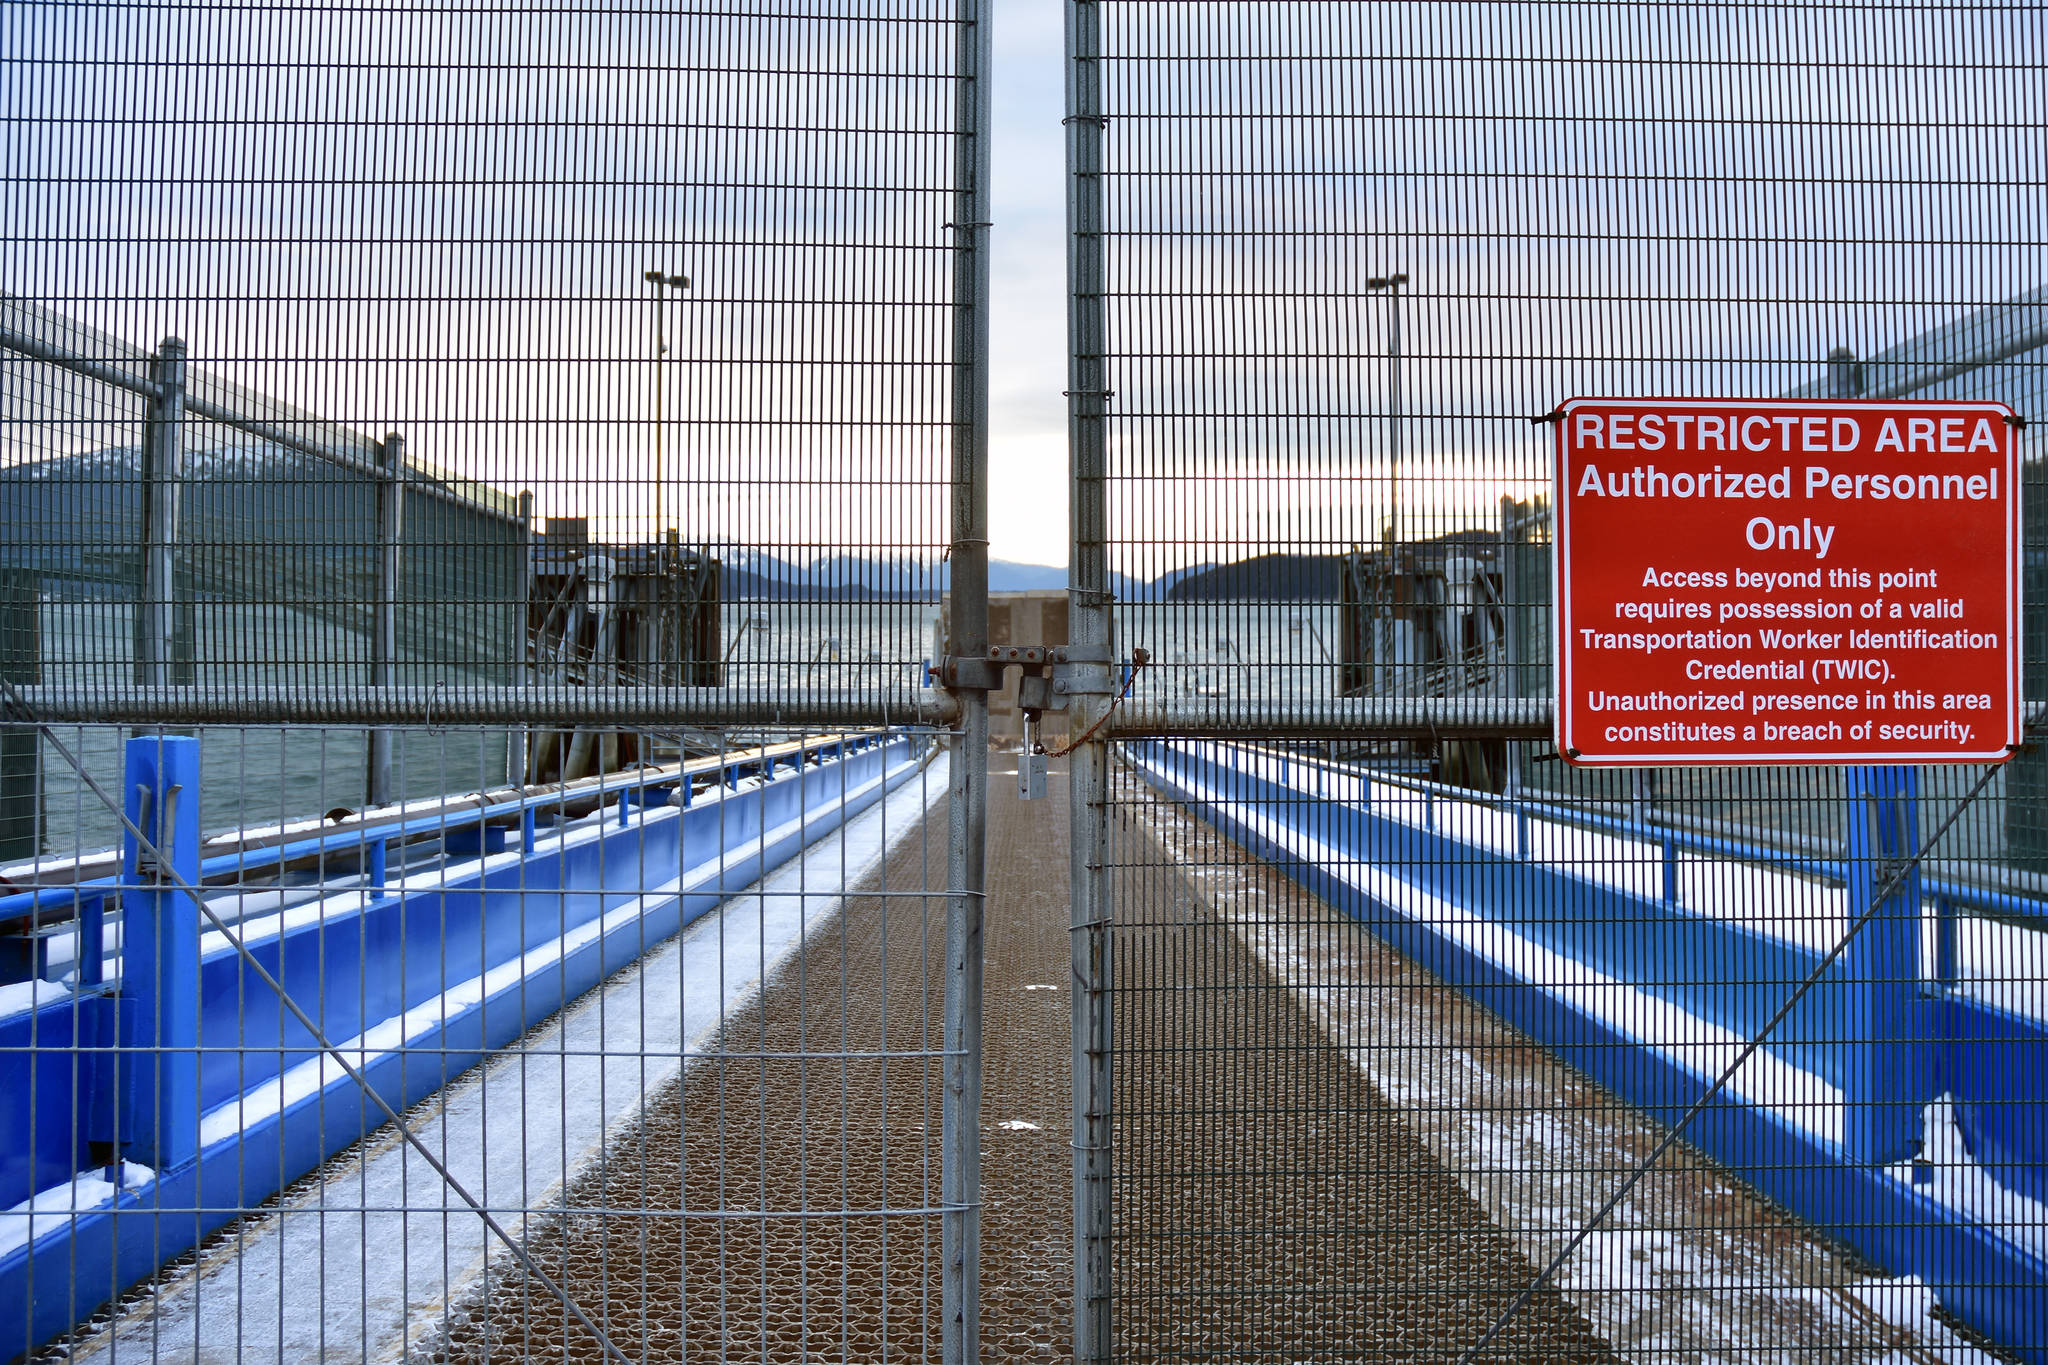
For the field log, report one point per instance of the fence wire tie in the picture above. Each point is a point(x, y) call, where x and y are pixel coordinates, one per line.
point(1898, 870)
point(147, 848)
point(428, 716)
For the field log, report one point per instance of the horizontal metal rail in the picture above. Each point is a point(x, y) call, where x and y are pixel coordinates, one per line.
point(206, 409)
point(1806, 856)
point(234, 858)
point(652, 708)
point(24, 344)
point(1346, 718)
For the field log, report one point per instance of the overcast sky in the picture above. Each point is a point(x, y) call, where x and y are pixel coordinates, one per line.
point(406, 222)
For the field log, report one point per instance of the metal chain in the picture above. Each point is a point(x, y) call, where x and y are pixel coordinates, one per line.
point(15, 708)
point(1878, 896)
point(1139, 659)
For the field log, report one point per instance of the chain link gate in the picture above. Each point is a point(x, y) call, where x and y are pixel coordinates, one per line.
point(1384, 1016)
point(504, 888)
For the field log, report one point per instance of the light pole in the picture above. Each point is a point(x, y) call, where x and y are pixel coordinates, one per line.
point(659, 281)
point(1392, 284)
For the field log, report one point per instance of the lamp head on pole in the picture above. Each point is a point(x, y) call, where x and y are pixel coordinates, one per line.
point(1386, 282)
point(655, 277)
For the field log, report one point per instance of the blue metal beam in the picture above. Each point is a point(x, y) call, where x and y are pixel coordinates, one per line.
point(1993, 1062)
point(353, 971)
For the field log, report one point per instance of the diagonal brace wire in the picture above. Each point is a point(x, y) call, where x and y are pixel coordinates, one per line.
point(1882, 893)
point(319, 1036)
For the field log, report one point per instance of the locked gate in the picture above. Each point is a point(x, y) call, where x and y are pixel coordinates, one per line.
point(495, 666)
point(1396, 1036)
point(486, 874)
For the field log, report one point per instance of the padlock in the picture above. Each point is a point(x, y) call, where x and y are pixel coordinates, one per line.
point(1031, 777)
point(1031, 763)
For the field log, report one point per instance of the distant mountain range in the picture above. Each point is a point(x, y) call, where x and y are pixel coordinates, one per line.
point(755, 574)
point(267, 525)
point(761, 575)
point(850, 578)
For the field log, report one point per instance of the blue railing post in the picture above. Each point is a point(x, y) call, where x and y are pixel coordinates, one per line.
point(1947, 942)
point(1887, 1081)
point(160, 953)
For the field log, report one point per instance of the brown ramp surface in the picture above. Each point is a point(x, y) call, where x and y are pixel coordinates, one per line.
point(1270, 1204)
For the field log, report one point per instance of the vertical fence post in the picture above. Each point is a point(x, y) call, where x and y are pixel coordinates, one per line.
point(160, 953)
point(163, 460)
point(384, 622)
point(518, 741)
point(967, 780)
point(1509, 674)
point(21, 786)
point(1887, 1078)
point(1088, 783)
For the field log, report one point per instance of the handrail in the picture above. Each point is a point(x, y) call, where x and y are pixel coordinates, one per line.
point(437, 820)
point(1961, 895)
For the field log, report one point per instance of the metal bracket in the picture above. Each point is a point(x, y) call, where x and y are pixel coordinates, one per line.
point(1890, 872)
point(1084, 671)
point(967, 674)
point(1047, 677)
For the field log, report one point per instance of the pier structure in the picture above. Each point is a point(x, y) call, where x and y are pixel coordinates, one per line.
point(497, 864)
point(1286, 893)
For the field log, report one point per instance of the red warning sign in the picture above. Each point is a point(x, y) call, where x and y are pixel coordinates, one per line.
point(1786, 582)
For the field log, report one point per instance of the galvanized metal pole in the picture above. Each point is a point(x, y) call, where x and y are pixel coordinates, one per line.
point(163, 461)
point(967, 804)
point(660, 360)
point(384, 625)
point(516, 761)
point(1511, 630)
point(1394, 284)
point(1089, 617)
point(21, 785)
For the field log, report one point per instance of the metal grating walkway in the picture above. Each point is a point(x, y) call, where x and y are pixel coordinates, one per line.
point(1369, 1246)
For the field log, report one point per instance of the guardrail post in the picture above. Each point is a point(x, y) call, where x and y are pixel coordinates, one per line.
point(160, 953)
point(1947, 943)
point(1887, 1080)
point(163, 461)
point(384, 626)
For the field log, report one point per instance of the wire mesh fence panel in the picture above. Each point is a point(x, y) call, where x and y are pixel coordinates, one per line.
point(478, 491)
point(1389, 1012)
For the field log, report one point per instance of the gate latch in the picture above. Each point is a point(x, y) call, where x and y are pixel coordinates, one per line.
point(1048, 678)
point(1048, 675)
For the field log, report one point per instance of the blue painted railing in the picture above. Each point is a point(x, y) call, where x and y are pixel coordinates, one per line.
point(179, 1063)
point(1888, 1039)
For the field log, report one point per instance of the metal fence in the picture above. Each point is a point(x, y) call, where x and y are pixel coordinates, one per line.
point(476, 491)
point(1385, 1013)
point(495, 662)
